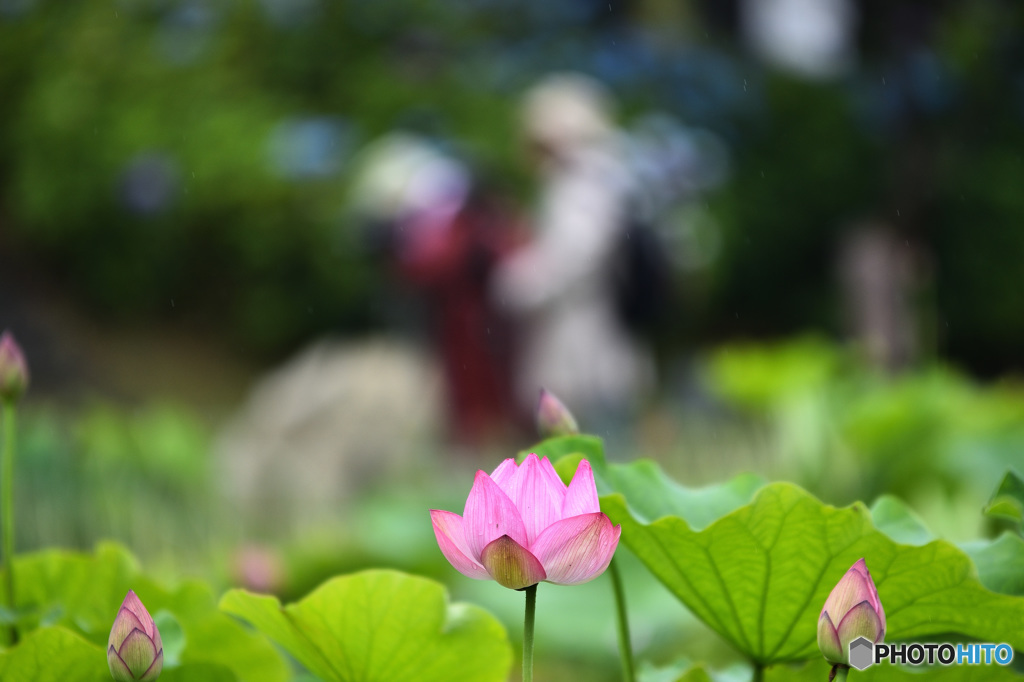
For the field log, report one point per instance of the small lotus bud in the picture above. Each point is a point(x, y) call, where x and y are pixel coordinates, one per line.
point(134, 650)
point(554, 418)
point(13, 369)
point(852, 610)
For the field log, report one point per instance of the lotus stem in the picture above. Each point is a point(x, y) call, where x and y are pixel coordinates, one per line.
point(625, 645)
point(7, 507)
point(531, 609)
point(839, 673)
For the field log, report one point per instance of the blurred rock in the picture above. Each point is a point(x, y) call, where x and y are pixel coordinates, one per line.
point(327, 423)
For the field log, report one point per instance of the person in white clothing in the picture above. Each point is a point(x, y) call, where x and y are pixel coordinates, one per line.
point(562, 284)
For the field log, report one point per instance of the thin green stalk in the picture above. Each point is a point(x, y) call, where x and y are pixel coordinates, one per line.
point(531, 609)
point(625, 646)
point(839, 673)
point(7, 507)
point(758, 673)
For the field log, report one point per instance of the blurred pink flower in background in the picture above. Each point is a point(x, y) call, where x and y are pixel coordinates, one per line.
point(258, 568)
point(523, 525)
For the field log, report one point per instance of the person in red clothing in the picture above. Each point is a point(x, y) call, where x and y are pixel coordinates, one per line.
point(445, 234)
point(452, 265)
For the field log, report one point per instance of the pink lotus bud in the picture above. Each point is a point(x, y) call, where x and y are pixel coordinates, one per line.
point(134, 650)
point(554, 418)
point(13, 369)
point(522, 525)
point(852, 610)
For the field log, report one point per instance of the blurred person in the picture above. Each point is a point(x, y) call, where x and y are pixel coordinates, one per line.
point(562, 285)
point(443, 232)
point(879, 274)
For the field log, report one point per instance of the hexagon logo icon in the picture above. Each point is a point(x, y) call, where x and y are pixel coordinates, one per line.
point(862, 653)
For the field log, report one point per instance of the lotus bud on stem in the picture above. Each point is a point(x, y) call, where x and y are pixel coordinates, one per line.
point(852, 611)
point(14, 380)
point(13, 369)
point(553, 417)
point(134, 650)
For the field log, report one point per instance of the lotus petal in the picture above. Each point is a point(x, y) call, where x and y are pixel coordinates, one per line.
point(538, 499)
point(118, 668)
point(504, 474)
point(828, 641)
point(577, 549)
point(851, 590)
point(154, 670)
point(124, 623)
point(451, 538)
point(860, 621)
point(135, 605)
point(511, 564)
point(489, 514)
point(137, 652)
point(581, 497)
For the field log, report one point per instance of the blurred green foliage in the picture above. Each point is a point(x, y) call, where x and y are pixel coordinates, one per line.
point(1008, 501)
point(931, 436)
point(926, 138)
point(137, 153)
point(141, 144)
point(142, 475)
point(139, 476)
point(68, 600)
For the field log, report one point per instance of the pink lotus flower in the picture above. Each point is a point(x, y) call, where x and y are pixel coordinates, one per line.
point(523, 525)
point(852, 610)
point(13, 368)
point(134, 650)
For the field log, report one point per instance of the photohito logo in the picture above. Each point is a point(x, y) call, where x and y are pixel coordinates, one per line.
point(864, 654)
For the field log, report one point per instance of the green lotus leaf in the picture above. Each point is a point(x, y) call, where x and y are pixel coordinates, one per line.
point(1008, 500)
point(759, 575)
point(82, 592)
point(381, 626)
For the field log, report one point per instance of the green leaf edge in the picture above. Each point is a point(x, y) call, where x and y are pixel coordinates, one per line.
point(617, 508)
